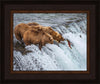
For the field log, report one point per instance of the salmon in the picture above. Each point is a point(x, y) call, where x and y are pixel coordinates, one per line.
point(69, 43)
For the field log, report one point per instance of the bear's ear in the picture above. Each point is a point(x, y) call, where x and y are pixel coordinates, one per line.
point(49, 27)
point(57, 34)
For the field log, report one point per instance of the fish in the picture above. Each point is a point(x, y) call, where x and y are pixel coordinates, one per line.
point(69, 43)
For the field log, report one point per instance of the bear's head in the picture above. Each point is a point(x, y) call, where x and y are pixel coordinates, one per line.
point(37, 28)
point(58, 36)
point(48, 38)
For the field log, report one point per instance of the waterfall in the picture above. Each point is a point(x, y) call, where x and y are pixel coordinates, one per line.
point(57, 56)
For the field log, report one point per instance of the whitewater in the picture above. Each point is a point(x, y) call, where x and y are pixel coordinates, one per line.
point(57, 56)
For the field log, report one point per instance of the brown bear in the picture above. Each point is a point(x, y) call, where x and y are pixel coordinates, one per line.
point(37, 37)
point(20, 29)
point(56, 36)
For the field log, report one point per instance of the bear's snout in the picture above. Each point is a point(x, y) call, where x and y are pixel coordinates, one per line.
point(50, 38)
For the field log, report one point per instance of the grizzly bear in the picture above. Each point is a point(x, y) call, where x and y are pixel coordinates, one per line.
point(37, 37)
point(56, 36)
point(36, 34)
point(21, 28)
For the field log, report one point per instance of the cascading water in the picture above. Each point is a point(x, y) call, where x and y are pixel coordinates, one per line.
point(57, 56)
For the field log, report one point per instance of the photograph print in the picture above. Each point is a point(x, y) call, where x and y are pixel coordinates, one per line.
point(49, 41)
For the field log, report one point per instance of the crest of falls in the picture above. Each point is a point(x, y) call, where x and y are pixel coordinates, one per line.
point(57, 56)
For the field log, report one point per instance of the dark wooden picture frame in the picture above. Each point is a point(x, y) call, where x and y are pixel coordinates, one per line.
point(47, 6)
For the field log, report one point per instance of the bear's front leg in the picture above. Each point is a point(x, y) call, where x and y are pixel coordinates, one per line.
point(40, 45)
point(27, 43)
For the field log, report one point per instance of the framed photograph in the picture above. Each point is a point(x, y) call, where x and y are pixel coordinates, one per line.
point(59, 55)
point(49, 41)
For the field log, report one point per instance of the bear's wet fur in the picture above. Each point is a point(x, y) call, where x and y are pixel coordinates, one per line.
point(34, 33)
point(21, 28)
point(56, 36)
point(35, 37)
